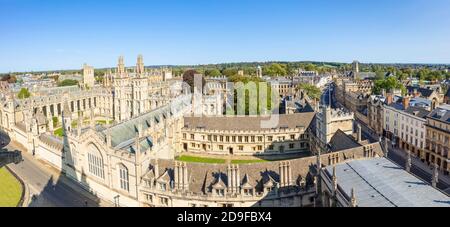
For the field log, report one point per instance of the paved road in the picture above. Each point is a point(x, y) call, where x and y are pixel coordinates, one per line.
point(399, 157)
point(51, 189)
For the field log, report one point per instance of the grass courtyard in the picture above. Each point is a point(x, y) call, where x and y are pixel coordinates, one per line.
point(186, 158)
point(59, 132)
point(10, 189)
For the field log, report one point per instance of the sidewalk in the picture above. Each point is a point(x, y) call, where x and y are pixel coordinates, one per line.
point(419, 164)
point(66, 181)
point(57, 176)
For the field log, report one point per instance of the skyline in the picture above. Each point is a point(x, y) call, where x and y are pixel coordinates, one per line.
point(55, 35)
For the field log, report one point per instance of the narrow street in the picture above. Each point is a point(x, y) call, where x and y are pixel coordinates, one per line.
point(50, 188)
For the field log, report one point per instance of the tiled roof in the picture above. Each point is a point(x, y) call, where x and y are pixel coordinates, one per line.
point(248, 123)
point(203, 176)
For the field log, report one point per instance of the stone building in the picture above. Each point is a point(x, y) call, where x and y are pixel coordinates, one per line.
point(432, 95)
point(229, 136)
point(375, 113)
point(405, 124)
point(88, 76)
point(353, 95)
point(376, 182)
point(437, 139)
point(327, 123)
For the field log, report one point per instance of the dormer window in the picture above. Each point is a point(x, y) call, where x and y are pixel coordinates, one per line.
point(163, 187)
point(270, 189)
point(248, 192)
point(220, 192)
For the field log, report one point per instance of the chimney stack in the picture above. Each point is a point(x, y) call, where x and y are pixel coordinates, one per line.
point(406, 101)
point(389, 98)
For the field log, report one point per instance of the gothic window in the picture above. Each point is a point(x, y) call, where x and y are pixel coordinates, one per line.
point(124, 178)
point(95, 162)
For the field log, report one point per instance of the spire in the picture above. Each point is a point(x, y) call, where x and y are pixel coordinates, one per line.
point(318, 162)
point(140, 68)
point(408, 162)
point(120, 66)
point(334, 178)
point(80, 123)
point(435, 177)
point(353, 199)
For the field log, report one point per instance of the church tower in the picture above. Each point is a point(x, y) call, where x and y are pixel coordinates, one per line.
point(140, 68)
point(121, 67)
point(88, 76)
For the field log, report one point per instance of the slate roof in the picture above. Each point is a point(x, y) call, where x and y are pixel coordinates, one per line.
point(417, 111)
point(248, 123)
point(442, 113)
point(423, 91)
point(123, 134)
point(341, 141)
point(203, 176)
point(380, 183)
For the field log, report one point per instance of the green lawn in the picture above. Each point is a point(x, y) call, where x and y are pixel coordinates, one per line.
point(59, 132)
point(10, 189)
point(186, 158)
point(104, 122)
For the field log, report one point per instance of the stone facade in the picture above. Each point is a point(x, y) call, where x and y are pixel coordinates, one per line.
point(328, 122)
point(437, 139)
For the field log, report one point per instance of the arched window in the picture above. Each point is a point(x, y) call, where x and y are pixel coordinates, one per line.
point(95, 161)
point(123, 178)
point(73, 154)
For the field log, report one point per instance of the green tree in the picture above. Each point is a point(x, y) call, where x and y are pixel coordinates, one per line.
point(55, 121)
point(275, 69)
point(260, 107)
point(312, 91)
point(212, 73)
point(66, 83)
point(388, 84)
point(24, 93)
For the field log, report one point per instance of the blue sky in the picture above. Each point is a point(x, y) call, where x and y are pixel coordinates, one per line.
point(63, 34)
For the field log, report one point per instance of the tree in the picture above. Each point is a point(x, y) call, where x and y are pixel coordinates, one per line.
point(10, 78)
point(55, 121)
point(24, 93)
point(66, 83)
point(275, 69)
point(310, 67)
point(229, 72)
point(388, 84)
point(212, 73)
point(256, 95)
point(189, 77)
point(312, 91)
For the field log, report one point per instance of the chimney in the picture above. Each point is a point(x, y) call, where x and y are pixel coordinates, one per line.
point(416, 93)
point(406, 101)
point(389, 98)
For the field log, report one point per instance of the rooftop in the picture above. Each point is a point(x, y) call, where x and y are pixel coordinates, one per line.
point(380, 183)
point(248, 123)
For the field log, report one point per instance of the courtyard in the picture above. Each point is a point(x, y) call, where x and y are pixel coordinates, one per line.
point(10, 189)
